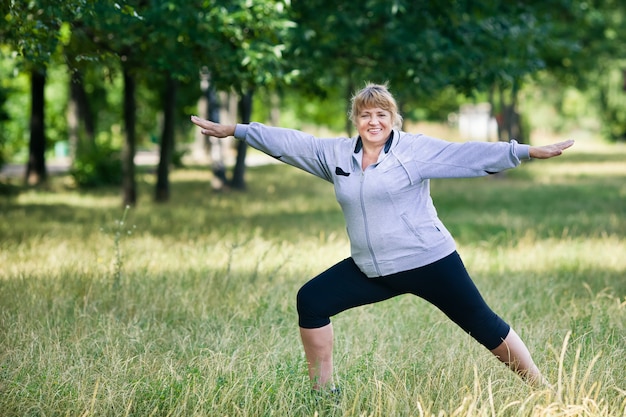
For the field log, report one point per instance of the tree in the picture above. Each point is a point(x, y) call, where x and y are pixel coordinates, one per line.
point(245, 109)
point(596, 62)
point(422, 48)
point(79, 114)
point(150, 38)
point(4, 116)
point(123, 32)
point(245, 41)
point(169, 54)
point(209, 107)
point(129, 185)
point(36, 166)
point(32, 29)
point(162, 191)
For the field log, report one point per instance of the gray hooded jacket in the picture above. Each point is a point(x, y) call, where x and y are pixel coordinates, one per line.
point(391, 221)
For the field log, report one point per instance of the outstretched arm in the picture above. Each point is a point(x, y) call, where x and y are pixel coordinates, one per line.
point(548, 151)
point(290, 146)
point(213, 129)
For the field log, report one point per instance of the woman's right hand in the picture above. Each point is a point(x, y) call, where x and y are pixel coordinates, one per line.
point(549, 151)
point(209, 128)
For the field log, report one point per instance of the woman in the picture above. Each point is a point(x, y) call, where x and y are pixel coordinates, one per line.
point(398, 244)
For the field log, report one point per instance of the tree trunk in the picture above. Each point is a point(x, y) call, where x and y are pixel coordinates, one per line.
point(349, 92)
point(167, 140)
point(129, 187)
point(216, 144)
point(275, 109)
point(501, 115)
point(245, 109)
point(493, 113)
point(201, 142)
point(36, 168)
point(511, 121)
point(72, 116)
point(209, 108)
point(80, 120)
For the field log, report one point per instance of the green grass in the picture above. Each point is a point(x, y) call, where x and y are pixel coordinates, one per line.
point(188, 308)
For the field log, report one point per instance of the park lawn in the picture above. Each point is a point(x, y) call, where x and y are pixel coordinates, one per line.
point(188, 308)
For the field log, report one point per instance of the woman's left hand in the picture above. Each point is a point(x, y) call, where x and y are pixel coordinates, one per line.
point(548, 151)
point(209, 128)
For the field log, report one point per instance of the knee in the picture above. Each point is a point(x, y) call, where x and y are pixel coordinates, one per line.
point(308, 305)
point(304, 300)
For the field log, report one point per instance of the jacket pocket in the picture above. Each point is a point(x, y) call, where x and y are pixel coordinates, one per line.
point(427, 234)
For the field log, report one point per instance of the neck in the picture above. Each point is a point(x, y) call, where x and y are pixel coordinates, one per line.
point(371, 150)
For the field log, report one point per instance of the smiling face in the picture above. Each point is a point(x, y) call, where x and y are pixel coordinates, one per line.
point(374, 125)
point(374, 113)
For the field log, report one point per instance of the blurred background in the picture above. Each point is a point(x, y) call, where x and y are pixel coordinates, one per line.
point(97, 87)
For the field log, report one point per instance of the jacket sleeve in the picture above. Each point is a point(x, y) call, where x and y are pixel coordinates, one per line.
point(292, 147)
point(437, 158)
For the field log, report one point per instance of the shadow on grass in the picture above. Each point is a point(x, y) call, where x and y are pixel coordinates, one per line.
point(487, 207)
point(281, 202)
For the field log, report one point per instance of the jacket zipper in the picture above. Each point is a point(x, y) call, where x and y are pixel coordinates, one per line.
point(367, 233)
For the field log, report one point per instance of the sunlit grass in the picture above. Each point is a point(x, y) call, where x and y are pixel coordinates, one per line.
point(203, 320)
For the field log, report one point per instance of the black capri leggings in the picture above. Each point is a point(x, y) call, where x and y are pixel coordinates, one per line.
point(445, 283)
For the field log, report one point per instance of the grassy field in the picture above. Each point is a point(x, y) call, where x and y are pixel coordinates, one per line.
point(188, 308)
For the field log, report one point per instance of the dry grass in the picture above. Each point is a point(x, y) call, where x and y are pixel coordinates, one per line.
point(188, 309)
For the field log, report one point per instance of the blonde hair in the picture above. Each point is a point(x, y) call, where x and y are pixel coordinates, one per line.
point(375, 95)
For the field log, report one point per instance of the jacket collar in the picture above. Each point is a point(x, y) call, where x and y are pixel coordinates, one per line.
point(359, 144)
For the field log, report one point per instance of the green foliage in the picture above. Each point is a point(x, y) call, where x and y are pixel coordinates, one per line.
point(241, 43)
point(56, 104)
point(420, 48)
point(14, 92)
point(437, 107)
point(97, 166)
point(594, 61)
point(298, 112)
point(4, 116)
point(612, 99)
point(33, 28)
point(432, 53)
